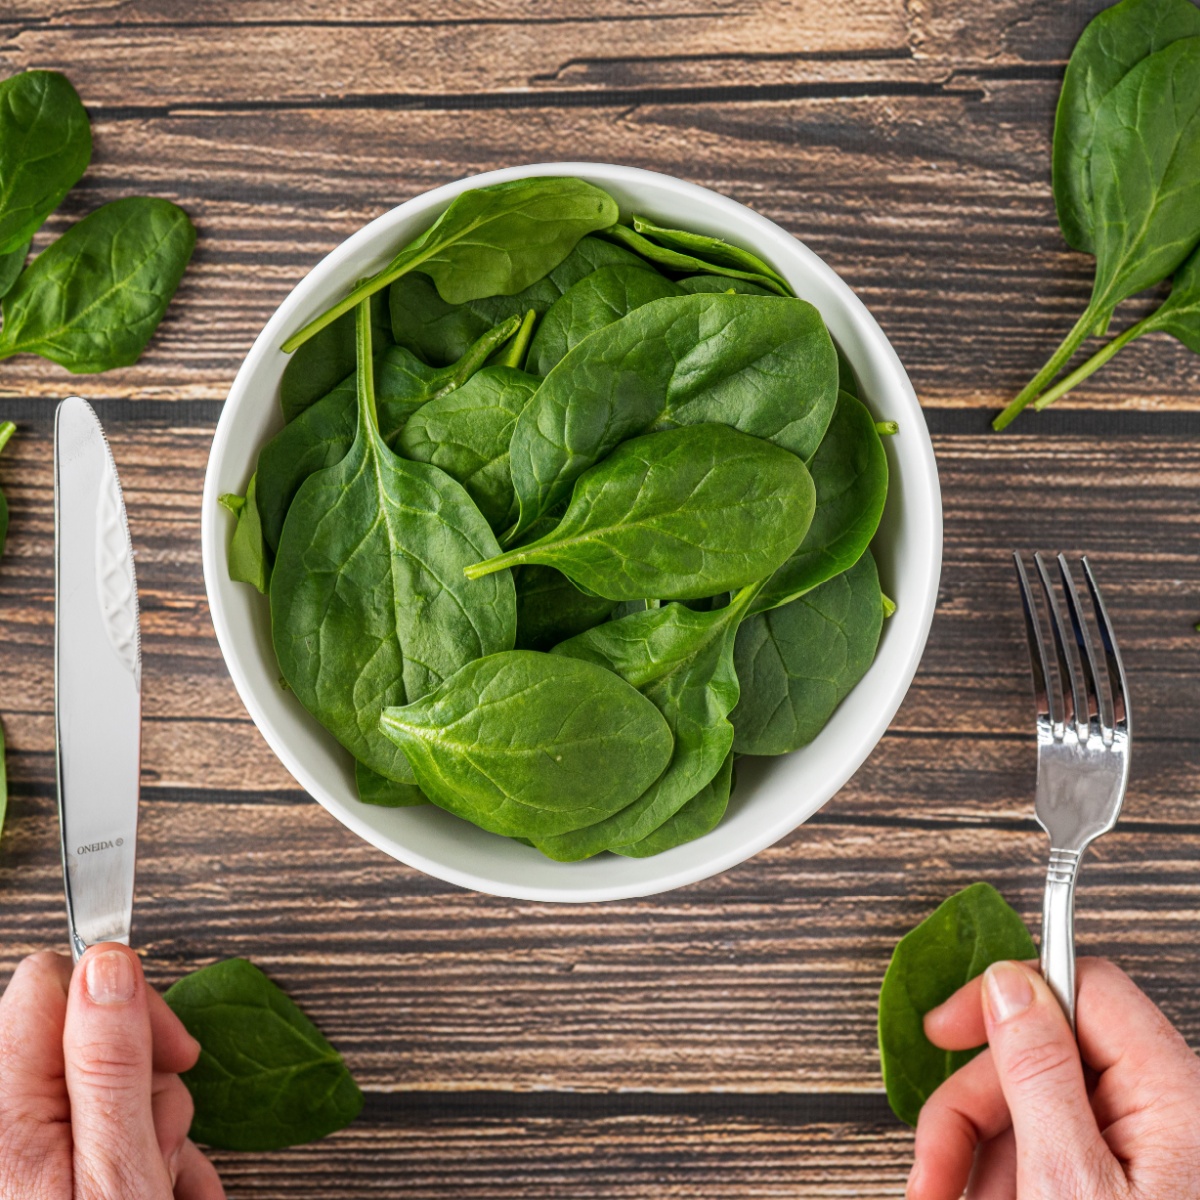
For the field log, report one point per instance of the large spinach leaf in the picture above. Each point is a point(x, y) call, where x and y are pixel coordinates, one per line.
point(796, 663)
point(550, 608)
point(266, 1077)
point(850, 473)
point(700, 815)
point(45, 145)
point(467, 434)
point(248, 559)
point(377, 789)
point(958, 941)
point(763, 365)
point(686, 513)
point(491, 241)
point(94, 297)
point(11, 266)
point(713, 249)
point(532, 745)
point(368, 600)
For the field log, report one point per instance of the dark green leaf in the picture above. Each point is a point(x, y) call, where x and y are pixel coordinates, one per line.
point(763, 365)
point(712, 249)
point(93, 299)
point(266, 1077)
point(954, 944)
point(695, 284)
point(1179, 314)
point(45, 145)
point(686, 513)
point(847, 380)
point(532, 745)
point(374, 788)
point(797, 663)
point(11, 265)
point(550, 608)
point(248, 560)
point(700, 815)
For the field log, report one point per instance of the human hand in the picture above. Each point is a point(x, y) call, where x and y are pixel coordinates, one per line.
point(1023, 1113)
point(91, 1103)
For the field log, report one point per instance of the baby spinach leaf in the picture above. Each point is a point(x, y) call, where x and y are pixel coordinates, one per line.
point(694, 284)
point(797, 663)
point(763, 365)
point(327, 359)
point(550, 608)
point(440, 332)
point(595, 301)
point(266, 1077)
point(682, 662)
point(374, 788)
point(700, 815)
point(491, 241)
point(11, 266)
point(958, 941)
point(850, 473)
point(45, 145)
point(467, 434)
point(368, 600)
point(248, 560)
point(686, 513)
point(713, 249)
point(92, 299)
point(532, 745)
point(322, 434)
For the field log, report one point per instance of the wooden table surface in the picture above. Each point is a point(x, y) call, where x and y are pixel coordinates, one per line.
point(717, 1041)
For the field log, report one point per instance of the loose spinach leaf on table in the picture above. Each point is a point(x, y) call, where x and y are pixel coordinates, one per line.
point(700, 815)
point(248, 558)
point(266, 1077)
point(532, 745)
point(491, 241)
point(713, 249)
point(45, 146)
point(958, 941)
point(94, 297)
point(686, 513)
point(369, 604)
point(377, 789)
point(11, 265)
point(850, 473)
point(439, 332)
point(682, 662)
point(764, 365)
point(467, 433)
point(796, 663)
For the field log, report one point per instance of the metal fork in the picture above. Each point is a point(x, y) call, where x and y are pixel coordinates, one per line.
point(1083, 751)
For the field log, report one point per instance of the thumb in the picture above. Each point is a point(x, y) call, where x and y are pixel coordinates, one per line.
point(1059, 1148)
point(107, 1048)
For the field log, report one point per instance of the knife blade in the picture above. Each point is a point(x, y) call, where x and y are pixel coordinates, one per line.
point(97, 681)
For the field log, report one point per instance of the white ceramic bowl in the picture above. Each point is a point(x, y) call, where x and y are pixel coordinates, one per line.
point(773, 796)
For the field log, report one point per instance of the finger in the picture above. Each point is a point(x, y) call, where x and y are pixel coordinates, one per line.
point(197, 1179)
point(108, 1070)
point(1061, 1150)
point(968, 1110)
point(32, 1012)
point(994, 1176)
point(175, 1050)
point(957, 1024)
point(171, 1105)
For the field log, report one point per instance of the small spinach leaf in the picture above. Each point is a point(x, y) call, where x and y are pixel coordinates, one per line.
point(374, 788)
point(248, 559)
point(700, 815)
point(550, 608)
point(266, 1077)
point(713, 249)
point(695, 284)
point(531, 745)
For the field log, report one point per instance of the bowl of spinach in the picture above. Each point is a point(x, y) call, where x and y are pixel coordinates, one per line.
point(572, 532)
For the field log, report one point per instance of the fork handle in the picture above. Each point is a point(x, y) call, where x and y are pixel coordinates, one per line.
point(1058, 928)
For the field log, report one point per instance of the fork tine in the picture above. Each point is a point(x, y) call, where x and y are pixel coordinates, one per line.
point(1112, 654)
point(1097, 702)
point(1039, 666)
point(1074, 700)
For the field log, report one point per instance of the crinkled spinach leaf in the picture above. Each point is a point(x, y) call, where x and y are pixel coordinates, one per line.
point(712, 249)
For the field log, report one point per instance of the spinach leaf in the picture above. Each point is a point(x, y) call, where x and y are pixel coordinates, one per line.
point(266, 1077)
point(248, 559)
point(11, 266)
point(327, 359)
point(850, 473)
point(92, 299)
point(550, 608)
point(714, 249)
point(958, 941)
point(467, 434)
point(323, 433)
point(368, 600)
point(440, 333)
point(374, 788)
point(676, 260)
point(595, 301)
point(530, 745)
point(694, 284)
point(491, 241)
point(682, 662)
point(45, 146)
point(763, 365)
point(797, 663)
point(700, 815)
point(686, 513)
point(847, 380)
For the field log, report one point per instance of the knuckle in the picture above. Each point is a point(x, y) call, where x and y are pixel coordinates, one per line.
point(114, 1063)
point(1038, 1065)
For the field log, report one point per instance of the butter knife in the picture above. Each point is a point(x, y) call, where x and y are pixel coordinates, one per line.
point(97, 681)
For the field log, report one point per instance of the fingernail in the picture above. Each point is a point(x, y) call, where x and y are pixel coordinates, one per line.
point(109, 978)
point(914, 1179)
point(1009, 991)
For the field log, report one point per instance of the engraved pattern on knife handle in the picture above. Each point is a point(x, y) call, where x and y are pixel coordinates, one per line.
point(116, 582)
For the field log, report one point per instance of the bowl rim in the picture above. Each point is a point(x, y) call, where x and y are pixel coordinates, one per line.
point(299, 304)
